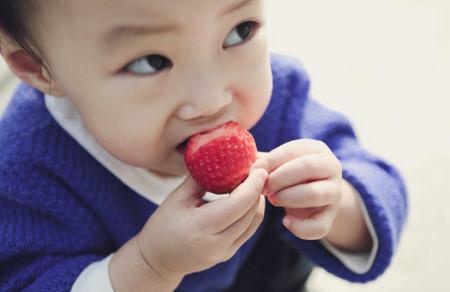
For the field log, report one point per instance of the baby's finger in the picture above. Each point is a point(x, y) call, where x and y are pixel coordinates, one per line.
point(260, 154)
point(233, 231)
point(261, 162)
point(189, 193)
point(224, 212)
point(292, 150)
point(314, 194)
point(299, 170)
point(312, 228)
point(251, 229)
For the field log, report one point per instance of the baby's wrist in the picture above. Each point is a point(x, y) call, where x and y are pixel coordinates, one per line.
point(130, 271)
point(349, 231)
point(158, 271)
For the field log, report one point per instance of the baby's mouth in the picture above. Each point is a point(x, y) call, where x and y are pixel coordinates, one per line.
point(181, 148)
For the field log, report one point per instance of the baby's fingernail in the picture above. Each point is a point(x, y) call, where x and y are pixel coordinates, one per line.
point(255, 165)
point(259, 173)
point(271, 198)
point(266, 190)
point(259, 176)
point(261, 162)
point(286, 222)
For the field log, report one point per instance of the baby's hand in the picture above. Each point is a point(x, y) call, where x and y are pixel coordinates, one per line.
point(187, 235)
point(305, 178)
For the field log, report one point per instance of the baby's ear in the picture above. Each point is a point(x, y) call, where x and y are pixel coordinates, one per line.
point(28, 68)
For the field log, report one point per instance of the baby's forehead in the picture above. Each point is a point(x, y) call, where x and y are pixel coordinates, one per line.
point(138, 8)
point(112, 19)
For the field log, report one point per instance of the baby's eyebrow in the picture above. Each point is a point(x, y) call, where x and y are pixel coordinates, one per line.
point(122, 32)
point(236, 6)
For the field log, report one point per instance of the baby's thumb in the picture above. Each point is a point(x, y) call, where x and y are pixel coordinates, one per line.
point(260, 162)
point(188, 192)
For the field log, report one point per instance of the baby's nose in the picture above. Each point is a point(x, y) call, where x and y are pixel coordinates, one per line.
point(204, 106)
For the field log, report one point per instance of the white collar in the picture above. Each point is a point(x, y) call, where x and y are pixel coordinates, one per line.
point(142, 181)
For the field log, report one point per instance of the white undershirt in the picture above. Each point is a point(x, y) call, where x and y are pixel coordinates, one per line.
point(155, 189)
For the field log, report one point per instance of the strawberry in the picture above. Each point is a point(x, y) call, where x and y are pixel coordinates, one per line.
point(220, 159)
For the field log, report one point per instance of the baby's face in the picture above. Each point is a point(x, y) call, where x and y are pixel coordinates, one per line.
point(147, 74)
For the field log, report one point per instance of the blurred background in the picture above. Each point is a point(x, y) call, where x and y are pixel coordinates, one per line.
point(386, 65)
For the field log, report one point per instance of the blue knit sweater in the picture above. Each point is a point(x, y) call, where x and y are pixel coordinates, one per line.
point(61, 210)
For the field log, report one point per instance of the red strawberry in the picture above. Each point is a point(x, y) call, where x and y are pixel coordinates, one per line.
point(220, 159)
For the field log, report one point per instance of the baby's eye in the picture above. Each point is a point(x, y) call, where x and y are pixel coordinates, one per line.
point(240, 33)
point(148, 65)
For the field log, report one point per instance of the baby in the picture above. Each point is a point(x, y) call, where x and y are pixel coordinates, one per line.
point(94, 190)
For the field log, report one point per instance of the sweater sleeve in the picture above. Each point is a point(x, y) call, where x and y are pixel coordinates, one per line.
point(42, 246)
point(379, 184)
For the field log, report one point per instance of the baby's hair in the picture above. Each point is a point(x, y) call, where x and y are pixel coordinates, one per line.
point(15, 24)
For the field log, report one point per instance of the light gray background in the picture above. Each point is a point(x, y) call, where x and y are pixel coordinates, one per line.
point(386, 65)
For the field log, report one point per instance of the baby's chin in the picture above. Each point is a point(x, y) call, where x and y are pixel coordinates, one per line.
point(176, 168)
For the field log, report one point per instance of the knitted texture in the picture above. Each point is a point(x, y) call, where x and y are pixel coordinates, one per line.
point(62, 210)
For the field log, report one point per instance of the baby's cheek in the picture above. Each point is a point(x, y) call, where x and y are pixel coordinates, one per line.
point(261, 92)
point(255, 107)
point(125, 144)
